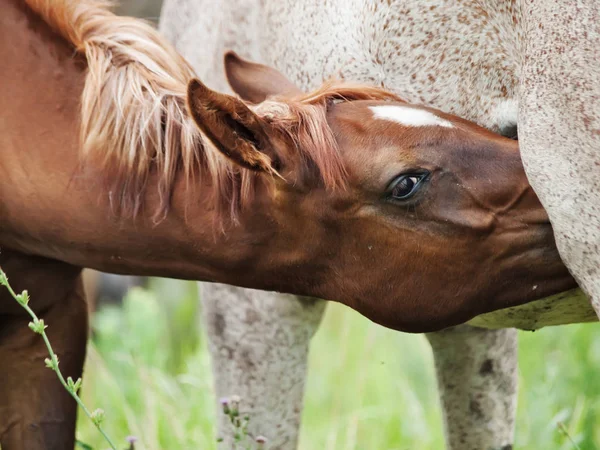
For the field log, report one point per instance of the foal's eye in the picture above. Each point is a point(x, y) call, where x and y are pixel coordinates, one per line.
point(405, 186)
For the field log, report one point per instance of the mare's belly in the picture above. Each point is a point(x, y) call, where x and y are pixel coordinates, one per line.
point(560, 309)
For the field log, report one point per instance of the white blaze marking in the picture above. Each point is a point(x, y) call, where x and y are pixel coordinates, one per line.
point(410, 117)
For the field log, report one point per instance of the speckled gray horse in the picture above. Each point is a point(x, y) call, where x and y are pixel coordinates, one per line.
point(472, 58)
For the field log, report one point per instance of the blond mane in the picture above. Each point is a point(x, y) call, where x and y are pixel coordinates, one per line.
point(134, 122)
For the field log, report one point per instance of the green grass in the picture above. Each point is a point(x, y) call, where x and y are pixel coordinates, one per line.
point(368, 387)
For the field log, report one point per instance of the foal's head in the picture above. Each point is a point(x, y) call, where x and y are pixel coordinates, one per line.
point(416, 218)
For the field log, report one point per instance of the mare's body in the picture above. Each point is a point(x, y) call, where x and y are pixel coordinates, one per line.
point(463, 57)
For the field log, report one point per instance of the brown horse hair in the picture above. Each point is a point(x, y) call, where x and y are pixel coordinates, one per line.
point(134, 121)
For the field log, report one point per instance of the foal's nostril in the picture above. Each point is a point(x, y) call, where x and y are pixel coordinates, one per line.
point(510, 131)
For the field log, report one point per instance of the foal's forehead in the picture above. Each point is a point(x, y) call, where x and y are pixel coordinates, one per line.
point(391, 113)
point(387, 122)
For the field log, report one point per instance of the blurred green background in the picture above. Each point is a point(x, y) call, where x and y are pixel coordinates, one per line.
point(368, 387)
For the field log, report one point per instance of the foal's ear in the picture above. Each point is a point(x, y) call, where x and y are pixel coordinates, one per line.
point(255, 82)
point(232, 127)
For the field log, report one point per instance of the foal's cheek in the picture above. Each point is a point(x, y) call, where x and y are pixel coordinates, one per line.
point(453, 206)
point(469, 221)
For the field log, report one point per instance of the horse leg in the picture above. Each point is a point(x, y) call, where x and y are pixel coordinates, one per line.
point(259, 346)
point(477, 379)
point(36, 413)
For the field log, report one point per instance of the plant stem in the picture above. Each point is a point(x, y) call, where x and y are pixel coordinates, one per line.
point(563, 428)
point(54, 359)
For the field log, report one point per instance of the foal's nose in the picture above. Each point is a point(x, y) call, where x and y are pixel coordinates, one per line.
point(510, 131)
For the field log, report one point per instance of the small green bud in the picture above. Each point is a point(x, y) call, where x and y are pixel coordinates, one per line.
point(3, 278)
point(225, 405)
point(234, 404)
point(74, 385)
point(23, 298)
point(52, 363)
point(97, 417)
point(38, 326)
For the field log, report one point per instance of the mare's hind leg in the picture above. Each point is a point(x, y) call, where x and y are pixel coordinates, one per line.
point(36, 413)
point(259, 347)
point(477, 379)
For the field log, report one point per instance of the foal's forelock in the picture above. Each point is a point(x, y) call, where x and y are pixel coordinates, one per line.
point(134, 123)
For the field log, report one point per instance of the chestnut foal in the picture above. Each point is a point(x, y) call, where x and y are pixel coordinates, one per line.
point(346, 193)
